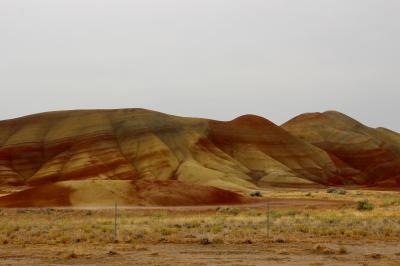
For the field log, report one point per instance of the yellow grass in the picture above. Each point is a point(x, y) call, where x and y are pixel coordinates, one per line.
point(61, 226)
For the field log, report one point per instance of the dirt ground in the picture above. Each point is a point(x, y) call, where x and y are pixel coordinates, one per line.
point(308, 227)
point(301, 253)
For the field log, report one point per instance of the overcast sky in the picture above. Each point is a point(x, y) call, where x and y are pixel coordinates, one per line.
point(206, 58)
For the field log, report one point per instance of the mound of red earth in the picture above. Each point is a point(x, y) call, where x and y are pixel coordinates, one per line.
point(142, 157)
point(370, 156)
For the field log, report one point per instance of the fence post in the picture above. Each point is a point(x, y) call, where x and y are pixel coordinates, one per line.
point(115, 222)
point(268, 219)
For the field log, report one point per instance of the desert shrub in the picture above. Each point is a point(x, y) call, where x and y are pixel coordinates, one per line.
point(20, 211)
point(374, 256)
point(320, 249)
point(336, 190)
point(71, 255)
point(292, 212)
point(343, 250)
point(218, 241)
point(112, 253)
point(256, 194)
point(253, 212)
point(279, 240)
point(205, 241)
point(167, 231)
point(217, 228)
point(228, 210)
point(364, 205)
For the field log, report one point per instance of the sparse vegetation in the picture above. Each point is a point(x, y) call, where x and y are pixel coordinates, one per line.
point(364, 205)
point(321, 249)
point(205, 241)
point(256, 194)
point(324, 229)
point(112, 253)
point(71, 255)
point(335, 190)
point(223, 225)
point(228, 210)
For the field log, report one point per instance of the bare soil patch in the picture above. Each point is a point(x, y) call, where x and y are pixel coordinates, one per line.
point(298, 253)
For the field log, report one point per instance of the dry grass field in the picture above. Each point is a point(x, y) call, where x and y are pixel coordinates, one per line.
point(306, 227)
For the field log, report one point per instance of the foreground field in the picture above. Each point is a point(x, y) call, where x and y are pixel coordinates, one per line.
point(273, 253)
point(306, 227)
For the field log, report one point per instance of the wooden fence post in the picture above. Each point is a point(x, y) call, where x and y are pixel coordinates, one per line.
point(115, 223)
point(268, 219)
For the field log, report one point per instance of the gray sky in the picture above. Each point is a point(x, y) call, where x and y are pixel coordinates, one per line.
point(208, 58)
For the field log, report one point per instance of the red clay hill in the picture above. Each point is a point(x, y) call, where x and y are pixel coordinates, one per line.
point(371, 156)
point(142, 157)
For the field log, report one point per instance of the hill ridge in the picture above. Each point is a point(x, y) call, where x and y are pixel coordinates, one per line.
point(140, 145)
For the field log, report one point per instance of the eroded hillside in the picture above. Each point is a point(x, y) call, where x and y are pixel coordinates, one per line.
point(118, 155)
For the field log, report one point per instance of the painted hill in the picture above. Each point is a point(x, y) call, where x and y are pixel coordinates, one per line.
point(142, 157)
point(372, 155)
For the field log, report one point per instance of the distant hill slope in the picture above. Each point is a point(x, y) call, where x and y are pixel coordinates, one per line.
point(121, 154)
point(375, 153)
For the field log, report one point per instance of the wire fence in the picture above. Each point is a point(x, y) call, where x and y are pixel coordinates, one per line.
point(225, 224)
